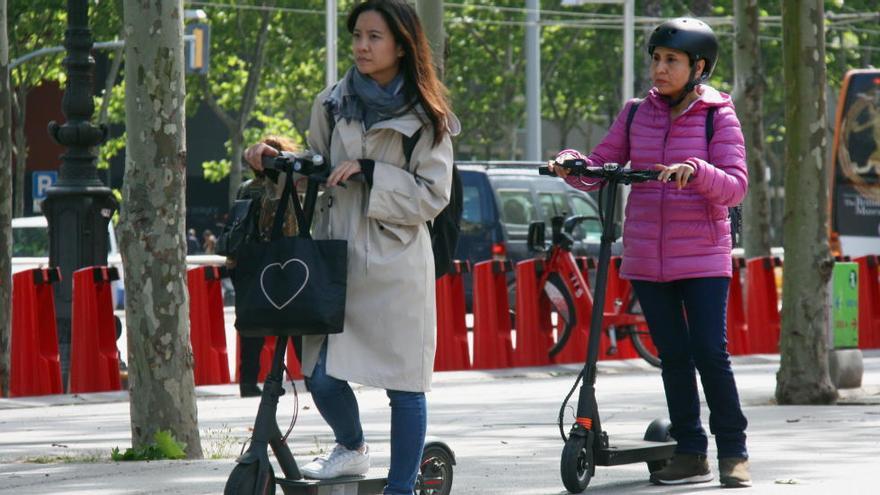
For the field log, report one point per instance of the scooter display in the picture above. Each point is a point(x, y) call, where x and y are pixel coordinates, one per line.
point(254, 474)
point(587, 444)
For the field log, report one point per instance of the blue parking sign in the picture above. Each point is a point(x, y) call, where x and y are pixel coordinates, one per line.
point(43, 180)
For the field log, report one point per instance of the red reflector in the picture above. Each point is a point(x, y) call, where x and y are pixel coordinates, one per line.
point(499, 249)
point(877, 80)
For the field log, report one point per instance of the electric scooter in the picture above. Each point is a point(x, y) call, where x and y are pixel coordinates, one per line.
point(587, 444)
point(253, 474)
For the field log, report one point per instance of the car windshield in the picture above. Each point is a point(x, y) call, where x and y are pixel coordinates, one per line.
point(30, 242)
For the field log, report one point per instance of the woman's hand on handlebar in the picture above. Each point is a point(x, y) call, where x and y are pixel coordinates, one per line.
point(254, 155)
point(555, 165)
point(681, 171)
point(343, 172)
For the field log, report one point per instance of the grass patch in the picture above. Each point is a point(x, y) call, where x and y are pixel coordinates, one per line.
point(220, 443)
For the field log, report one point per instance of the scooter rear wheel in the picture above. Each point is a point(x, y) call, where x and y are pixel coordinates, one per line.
point(435, 474)
point(243, 480)
point(577, 464)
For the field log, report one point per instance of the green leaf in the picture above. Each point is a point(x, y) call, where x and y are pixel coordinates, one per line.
point(168, 445)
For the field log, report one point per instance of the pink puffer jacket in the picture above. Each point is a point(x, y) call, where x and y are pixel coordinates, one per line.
point(670, 234)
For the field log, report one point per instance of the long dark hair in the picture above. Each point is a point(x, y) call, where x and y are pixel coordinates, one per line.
point(416, 64)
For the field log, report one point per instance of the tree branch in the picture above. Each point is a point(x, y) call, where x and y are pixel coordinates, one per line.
point(221, 114)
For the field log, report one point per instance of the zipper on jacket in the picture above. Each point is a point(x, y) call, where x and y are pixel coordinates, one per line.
point(663, 200)
point(366, 218)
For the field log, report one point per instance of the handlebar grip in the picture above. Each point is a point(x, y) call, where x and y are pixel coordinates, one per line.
point(268, 161)
point(546, 171)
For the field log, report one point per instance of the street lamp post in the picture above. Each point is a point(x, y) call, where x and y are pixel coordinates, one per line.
point(79, 206)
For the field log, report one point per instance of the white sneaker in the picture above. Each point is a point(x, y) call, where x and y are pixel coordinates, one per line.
point(339, 462)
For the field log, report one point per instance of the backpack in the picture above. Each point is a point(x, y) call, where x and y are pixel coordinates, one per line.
point(445, 227)
point(734, 212)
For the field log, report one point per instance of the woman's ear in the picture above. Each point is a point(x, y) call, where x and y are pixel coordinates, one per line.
point(701, 64)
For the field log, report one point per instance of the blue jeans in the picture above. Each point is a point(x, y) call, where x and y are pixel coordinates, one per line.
point(409, 421)
point(688, 323)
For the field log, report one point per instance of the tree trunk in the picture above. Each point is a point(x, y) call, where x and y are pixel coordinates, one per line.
point(5, 205)
point(748, 93)
point(20, 108)
point(431, 14)
point(803, 376)
point(650, 8)
point(151, 225)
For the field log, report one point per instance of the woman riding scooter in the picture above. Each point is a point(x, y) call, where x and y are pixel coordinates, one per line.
point(677, 241)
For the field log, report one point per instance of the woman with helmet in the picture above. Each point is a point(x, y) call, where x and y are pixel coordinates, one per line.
point(677, 240)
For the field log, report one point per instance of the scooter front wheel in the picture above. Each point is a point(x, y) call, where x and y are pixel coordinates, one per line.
point(243, 481)
point(577, 464)
point(435, 474)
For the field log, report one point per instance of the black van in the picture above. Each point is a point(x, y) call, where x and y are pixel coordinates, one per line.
point(501, 199)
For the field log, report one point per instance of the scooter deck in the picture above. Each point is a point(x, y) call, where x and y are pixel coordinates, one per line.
point(632, 451)
point(372, 483)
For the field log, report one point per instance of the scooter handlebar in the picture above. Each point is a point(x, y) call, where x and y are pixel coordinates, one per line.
point(609, 171)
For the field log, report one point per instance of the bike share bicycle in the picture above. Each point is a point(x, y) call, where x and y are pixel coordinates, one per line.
point(253, 474)
point(587, 445)
point(573, 305)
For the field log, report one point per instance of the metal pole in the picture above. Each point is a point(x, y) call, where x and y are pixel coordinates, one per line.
point(533, 81)
point(79, 206)
point(629, 16)
point(331, 42)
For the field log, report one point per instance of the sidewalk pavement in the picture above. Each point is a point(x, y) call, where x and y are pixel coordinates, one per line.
point(501, 424)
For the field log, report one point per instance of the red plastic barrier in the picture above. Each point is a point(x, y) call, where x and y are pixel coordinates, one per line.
point(452, 344)
point(869, 302)
point(534, 329)
point(762, 305)
point(294, 370)
point(94, 359)
point(35, 365)
point(207, 330)
point(493, 346)
point(737, 330)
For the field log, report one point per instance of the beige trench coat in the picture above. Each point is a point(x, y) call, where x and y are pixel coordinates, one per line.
point(389, 337)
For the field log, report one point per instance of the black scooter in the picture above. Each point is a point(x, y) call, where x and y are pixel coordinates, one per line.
point(587, 445)
point(253, 475)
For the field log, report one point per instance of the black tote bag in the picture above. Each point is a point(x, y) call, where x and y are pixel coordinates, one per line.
point(290, 285)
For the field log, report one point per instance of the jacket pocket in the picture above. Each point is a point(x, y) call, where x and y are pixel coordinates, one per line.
point(401, 233)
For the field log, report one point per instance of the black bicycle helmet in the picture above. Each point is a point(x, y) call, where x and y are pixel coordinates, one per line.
point(693, 37)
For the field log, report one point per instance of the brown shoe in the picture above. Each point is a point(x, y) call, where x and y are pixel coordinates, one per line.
point(683, 469)
point(734, 472)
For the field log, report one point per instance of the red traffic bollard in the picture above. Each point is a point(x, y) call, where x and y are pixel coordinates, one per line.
point(762, 305)
point(452, 344)
point(94, 358)
point(869, 302)
point(737, 330)
point(35, 365)
point(207, 330)
point(534, 328)
point(493, 346)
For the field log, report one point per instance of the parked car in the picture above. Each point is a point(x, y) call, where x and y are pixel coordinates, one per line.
point(30, 249)
point(501, 199)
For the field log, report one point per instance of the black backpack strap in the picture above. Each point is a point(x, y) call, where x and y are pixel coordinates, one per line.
point(629, 120)
point(710, 124)
point(409, 144)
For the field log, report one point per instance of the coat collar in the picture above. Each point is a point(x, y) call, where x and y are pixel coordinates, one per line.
point(709, 96)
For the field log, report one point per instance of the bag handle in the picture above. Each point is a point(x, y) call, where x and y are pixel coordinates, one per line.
point(289, 195)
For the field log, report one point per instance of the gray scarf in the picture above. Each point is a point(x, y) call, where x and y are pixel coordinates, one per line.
point(361, 98)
